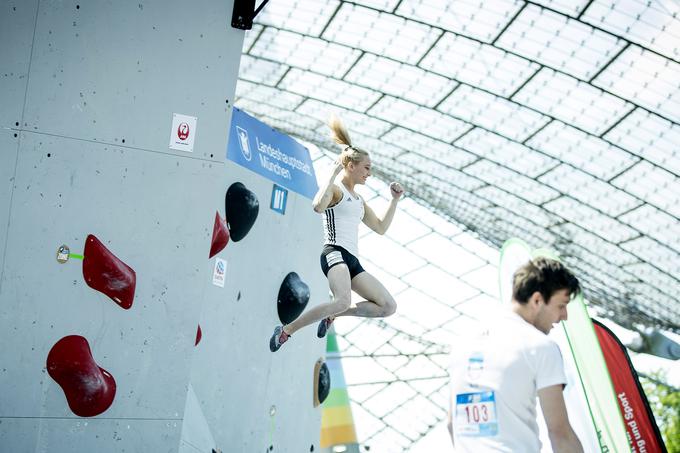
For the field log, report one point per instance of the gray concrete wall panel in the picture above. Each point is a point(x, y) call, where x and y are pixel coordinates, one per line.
point(235, 376)
point(159, 229)
point(17, 22)
point(9, 146)
point(114, 71)
point(21, 435)
point(196, 435)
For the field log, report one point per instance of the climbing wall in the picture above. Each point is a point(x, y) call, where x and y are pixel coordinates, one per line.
point(105, 235)
point(252, 398)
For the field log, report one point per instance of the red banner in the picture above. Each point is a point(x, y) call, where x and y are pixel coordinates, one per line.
point(643, 433)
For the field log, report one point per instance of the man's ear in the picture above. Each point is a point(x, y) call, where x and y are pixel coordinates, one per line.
point(536, 299)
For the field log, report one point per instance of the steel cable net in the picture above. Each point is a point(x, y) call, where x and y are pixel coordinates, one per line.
point(552, 121)
point(401, 395)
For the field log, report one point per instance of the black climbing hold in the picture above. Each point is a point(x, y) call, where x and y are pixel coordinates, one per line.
point(311, 447)
point(241, 206)
point(293, 298)
point(324, 387)
point(238, 297)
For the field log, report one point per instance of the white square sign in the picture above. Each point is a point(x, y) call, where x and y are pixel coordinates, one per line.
point(183, 132)
point(219, 272)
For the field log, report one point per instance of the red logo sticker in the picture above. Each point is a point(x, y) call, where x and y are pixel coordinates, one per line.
point(183, 131)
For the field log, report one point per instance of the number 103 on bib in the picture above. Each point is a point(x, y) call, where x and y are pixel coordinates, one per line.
point(476, 414)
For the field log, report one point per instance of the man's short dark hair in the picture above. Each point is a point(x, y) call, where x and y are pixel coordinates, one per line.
point(544, 275)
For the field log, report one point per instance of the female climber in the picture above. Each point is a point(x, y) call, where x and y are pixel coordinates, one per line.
point(342, 209)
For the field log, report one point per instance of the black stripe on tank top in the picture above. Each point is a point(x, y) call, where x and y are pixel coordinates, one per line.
point(333, 225)
point(330, 224)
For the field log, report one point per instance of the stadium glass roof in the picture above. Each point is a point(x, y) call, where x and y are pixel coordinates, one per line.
point(552, 121)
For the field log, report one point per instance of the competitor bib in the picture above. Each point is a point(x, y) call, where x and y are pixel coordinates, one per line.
point(476, 414)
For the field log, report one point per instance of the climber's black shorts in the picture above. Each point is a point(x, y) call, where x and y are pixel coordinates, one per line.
point(332, 255)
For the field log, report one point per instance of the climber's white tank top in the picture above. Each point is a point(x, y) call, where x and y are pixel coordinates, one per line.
point(341, 222)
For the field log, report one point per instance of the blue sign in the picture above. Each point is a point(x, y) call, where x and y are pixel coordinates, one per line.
point(276, 156)
point(279, 198)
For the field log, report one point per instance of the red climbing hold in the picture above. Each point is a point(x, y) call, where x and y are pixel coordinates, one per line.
point(220, 235)
point(106, 273)
point(199, 335)
point(89, 389)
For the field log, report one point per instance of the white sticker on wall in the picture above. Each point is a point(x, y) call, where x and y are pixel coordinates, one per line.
point(219, 272)
point(183, 132)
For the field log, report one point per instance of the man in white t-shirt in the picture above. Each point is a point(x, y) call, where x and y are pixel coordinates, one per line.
point(497, 376)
